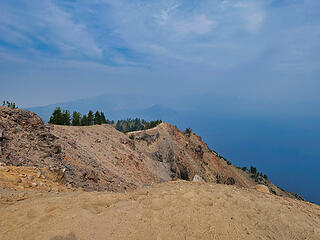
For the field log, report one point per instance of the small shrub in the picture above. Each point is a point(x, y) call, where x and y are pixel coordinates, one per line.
point(131, 137)
point(253, 170)
point(188, 132)
point(273, 191)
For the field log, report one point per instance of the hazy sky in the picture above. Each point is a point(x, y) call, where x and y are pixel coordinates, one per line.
point(53, 51)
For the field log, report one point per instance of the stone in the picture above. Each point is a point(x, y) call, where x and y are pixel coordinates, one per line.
point(39, 173)
point(57, 149)
point(30, 177)
point(197, 178)
point(34, 184)
point(261, 188)
point(230, 181)
point(1, 134)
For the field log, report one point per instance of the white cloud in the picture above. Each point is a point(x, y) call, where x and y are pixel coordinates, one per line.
point(163, 17)
point(254, 20)
point(44, 21)
point(200, 25)
point(253, 14)
point(69, 35)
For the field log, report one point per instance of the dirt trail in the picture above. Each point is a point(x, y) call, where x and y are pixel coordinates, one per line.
point(173, 210)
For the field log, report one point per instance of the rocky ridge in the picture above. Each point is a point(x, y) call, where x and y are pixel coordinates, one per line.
point(101, 158)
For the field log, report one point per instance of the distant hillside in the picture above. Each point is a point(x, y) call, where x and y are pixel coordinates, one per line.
point(115, 106)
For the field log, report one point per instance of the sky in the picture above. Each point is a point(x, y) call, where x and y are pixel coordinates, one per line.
point(260, 50)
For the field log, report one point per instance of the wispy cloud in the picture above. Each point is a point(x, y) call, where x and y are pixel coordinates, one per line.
point(164, 14)
point(200, 25)
point(46, 24)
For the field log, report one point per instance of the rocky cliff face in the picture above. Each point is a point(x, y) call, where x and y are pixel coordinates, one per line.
point(26, 141)
point(102, 158)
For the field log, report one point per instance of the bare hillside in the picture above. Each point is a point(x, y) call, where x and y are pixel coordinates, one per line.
point(101, 158)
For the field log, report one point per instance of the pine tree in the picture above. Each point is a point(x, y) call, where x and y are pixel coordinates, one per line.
point(76, 117)
point(253, 170)
point(56, 117)
point(103, 118)
point(66, 118)
point(90, 117)
point(119, 126)
point(84, 120)
point(97, 118)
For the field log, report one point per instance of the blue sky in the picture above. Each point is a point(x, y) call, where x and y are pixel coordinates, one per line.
point(264, 50)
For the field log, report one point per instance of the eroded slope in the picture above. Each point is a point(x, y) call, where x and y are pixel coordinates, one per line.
point(101, 158)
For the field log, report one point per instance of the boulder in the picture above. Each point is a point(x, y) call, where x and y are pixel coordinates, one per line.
point(197, 178)
point(261, 188)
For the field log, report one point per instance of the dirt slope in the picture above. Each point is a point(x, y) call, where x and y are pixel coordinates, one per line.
point(173, 210)
point(102, 158)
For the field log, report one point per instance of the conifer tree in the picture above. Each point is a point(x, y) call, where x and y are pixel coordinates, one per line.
point(97, 118)
point(66, 118)
point(253, 170)
point(84, 120)
point(90, 117)
point(56, 117)
point(103, 118)
point(76, 117)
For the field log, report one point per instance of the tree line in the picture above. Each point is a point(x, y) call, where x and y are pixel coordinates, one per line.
point(136, 124)
point(9, 104)
point(63, 117)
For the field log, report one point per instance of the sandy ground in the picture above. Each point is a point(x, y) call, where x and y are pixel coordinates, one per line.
point(173, 210)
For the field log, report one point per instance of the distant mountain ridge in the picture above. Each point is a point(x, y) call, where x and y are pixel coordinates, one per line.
point(115, 106)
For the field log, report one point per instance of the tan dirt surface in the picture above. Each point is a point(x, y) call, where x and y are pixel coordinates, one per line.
point(173, 210)
point(31, 179)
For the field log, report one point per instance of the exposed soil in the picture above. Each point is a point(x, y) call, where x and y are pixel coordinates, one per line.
point(173, 210)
